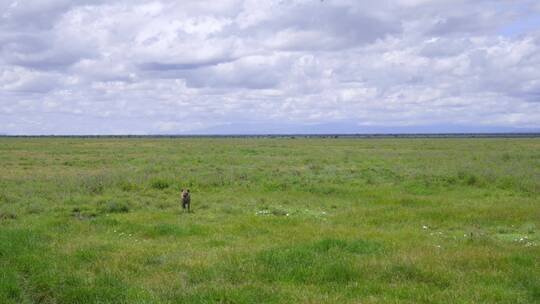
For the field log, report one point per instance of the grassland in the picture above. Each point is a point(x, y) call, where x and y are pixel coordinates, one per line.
point(274, 221)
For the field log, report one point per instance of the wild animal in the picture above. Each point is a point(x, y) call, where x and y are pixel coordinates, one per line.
point(185, 197)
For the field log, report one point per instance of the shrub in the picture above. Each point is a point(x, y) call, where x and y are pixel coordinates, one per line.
point(160, 184)
point(6, 215)
point(472, 180)
point(128, 186)
point(279, 212)
point(93, 184)
point(468, 178)
point(34, 208)
point(4, 198)
point(115, 207)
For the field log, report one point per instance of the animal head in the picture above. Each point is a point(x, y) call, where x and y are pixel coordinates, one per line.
point(185, 192)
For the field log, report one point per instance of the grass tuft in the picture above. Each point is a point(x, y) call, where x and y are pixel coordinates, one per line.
point(114, 207)
point(159, 184)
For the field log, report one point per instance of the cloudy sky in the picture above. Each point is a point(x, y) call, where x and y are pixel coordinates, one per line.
point(268, 66)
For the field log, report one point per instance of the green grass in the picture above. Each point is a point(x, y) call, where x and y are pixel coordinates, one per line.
point(274, 221)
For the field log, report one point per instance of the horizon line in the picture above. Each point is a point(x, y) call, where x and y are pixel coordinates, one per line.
point(335, 135)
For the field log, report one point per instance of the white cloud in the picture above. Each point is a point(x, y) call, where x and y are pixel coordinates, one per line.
point(165, 67)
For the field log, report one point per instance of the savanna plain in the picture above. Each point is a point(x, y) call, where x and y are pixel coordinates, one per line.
point(275, 220)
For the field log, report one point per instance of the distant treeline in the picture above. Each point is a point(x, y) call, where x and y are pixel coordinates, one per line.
point(292, 136)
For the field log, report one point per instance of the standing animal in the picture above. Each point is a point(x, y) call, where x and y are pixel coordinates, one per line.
point(185, 197)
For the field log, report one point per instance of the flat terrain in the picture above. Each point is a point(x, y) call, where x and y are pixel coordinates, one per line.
point(274, 221)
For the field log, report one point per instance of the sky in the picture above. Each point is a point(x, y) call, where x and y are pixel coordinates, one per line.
point(268, 66)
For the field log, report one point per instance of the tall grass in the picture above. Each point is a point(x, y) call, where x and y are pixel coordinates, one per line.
point(274, 221)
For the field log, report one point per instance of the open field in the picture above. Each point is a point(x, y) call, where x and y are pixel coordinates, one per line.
point(274, 221)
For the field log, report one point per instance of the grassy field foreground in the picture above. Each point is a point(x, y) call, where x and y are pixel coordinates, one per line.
point(274, 221)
